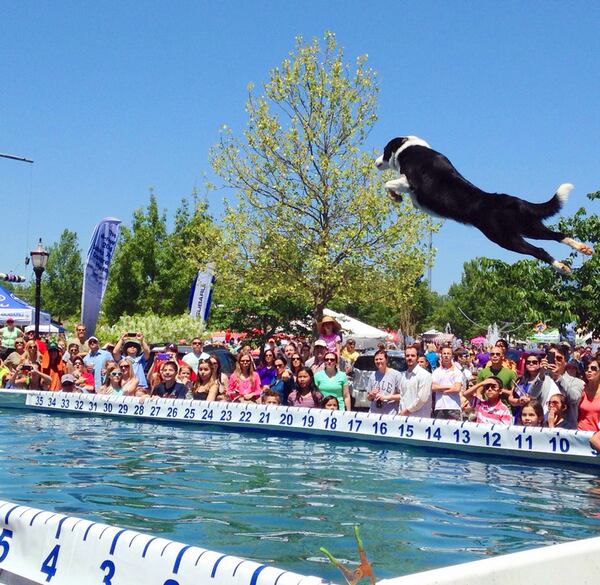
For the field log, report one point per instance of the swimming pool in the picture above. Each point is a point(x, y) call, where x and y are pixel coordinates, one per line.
point(277, 499)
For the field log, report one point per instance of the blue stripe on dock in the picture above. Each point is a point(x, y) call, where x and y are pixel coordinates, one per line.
point(88, 530)
point(214, 569)
point(178, 559)
point(10, 512)
point(146, 547)
point(114, 542)
point(256, 573)
point(64, 518)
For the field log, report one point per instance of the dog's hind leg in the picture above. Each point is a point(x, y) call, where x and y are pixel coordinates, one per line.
point(580, 247)
point(516, 243)
point(538, 231)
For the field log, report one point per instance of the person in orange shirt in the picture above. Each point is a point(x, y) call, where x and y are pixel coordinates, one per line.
point(53, 366)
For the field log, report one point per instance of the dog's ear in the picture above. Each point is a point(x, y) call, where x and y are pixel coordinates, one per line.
point(392, 146)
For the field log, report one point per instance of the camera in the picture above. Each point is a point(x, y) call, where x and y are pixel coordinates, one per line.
point(550, 357)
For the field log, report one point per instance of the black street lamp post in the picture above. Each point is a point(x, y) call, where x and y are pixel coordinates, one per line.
point(39, 259)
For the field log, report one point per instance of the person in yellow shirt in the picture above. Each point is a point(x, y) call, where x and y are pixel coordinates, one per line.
point(349, 352)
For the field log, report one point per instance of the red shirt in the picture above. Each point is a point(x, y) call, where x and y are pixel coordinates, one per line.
point(589, 414)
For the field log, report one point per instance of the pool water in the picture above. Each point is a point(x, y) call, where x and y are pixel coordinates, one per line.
point(276, 499)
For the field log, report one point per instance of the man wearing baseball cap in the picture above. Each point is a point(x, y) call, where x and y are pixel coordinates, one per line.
point(9, 333)
point(67, 383)
point(98, 358)
point(316, 362)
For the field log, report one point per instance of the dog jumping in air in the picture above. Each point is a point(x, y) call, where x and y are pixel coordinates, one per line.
point(436, 187)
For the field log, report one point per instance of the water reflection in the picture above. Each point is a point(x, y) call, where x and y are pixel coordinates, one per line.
point(278, 498)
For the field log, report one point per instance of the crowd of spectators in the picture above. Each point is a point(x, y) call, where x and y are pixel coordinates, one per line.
point(551, 386)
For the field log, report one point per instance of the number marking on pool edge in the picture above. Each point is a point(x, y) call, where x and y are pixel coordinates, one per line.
point(53, 560)
point(442, 433)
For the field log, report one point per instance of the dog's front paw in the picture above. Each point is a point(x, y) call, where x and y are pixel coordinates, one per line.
point(396, 197)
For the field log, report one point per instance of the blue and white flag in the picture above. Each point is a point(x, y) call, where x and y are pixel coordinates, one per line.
point(95, 271)
point(201, 293)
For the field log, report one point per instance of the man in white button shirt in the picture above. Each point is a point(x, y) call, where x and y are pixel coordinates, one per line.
point(415, 387)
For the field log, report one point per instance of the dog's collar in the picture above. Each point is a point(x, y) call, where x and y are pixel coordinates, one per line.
point(412, 141)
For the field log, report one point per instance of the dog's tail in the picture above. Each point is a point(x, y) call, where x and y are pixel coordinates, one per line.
point(543, 210)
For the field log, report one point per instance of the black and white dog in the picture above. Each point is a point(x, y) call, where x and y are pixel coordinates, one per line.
point(437, 188)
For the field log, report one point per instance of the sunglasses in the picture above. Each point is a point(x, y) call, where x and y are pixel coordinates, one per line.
point(330, 360)
point(491, 386)
point(124, 367)
point(116, 374)
point(532, 362)
point(280, 365)
point(296, 358)
point(67, 384)
point(495, 353)
point(592, 368)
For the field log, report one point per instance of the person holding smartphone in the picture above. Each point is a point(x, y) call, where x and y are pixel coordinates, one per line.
point(133, 347)
point(554, 365)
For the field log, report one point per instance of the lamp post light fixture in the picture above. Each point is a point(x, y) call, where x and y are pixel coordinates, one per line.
point(39, 259)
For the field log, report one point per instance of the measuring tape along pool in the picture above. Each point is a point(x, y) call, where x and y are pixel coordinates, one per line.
point(42, 547)
point(531, 442)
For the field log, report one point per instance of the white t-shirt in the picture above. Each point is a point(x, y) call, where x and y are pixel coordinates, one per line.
point(447, 377)
point(388, 383)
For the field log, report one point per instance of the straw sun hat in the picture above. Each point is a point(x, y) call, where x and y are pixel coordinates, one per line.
point(327, 319)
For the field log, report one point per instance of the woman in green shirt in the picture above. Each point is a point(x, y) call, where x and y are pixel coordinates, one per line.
point(330, 381)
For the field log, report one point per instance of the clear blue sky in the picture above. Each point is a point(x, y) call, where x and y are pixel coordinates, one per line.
point(111, 98)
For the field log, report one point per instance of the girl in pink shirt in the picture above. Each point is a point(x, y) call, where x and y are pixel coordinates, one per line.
point(244, 383)
point(485, 401)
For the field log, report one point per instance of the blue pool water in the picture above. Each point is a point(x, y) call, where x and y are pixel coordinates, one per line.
point(277, 499)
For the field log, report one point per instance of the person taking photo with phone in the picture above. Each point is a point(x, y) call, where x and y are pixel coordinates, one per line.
point(554, 365)
point(133, 347)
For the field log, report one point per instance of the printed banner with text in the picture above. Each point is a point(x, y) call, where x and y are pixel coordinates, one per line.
point(95, 272)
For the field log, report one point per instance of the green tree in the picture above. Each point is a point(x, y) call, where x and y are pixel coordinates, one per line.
point(152, 269)
point(63, 278)
point(582, 290)
point(312, 223)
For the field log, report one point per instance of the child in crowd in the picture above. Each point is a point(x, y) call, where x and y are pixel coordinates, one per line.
point(331, 403)
point(532, 414)
point(557, 407)
point(486, 403)
point(271, 397)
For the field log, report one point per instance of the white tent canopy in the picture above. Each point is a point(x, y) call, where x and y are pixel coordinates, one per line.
point(366, 336)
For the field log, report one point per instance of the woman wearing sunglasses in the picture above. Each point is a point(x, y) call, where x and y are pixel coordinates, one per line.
point(114, 383)
point(589, 407)
point(129, 381)
point(283, 383)
point(244, 383)
point(533, 384)
point(330, 381)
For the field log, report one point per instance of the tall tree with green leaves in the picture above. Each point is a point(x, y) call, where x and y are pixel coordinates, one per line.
point(312, 223)
point(153, 268)
point(63, 278)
